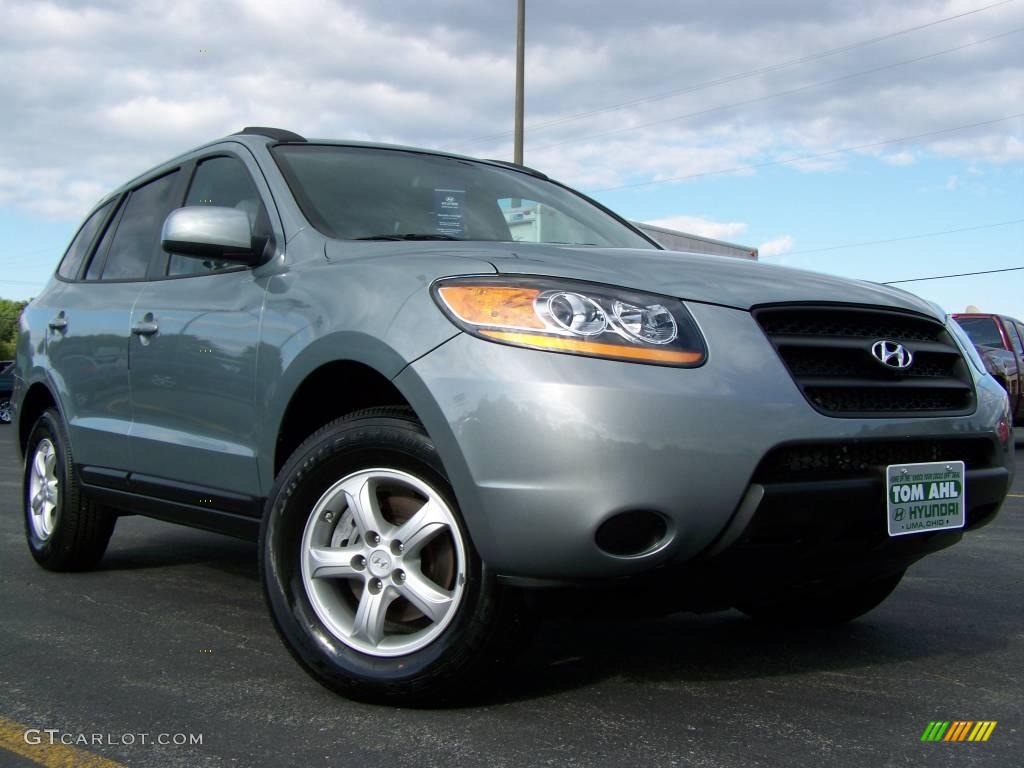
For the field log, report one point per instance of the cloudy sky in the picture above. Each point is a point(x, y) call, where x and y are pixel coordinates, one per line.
point(882, 140)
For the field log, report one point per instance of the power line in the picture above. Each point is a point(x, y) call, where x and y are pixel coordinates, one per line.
point(49, 249)
point(735, 77)
point(802, 158)
point(19, 259)
point(779, 94)
point(49, 256)
point(907, 237)
point(946, 277)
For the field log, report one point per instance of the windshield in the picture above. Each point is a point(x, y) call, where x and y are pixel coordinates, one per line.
point(982, 330)
point(355, 193)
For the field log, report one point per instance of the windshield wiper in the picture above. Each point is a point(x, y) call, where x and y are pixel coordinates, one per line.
point(409, 236)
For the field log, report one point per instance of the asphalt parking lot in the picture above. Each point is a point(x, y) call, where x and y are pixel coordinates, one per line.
point(171, 637)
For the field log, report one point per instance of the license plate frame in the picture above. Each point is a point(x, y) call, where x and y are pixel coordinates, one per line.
point(925, 497)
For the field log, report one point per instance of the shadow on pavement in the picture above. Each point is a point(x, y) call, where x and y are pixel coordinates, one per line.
point(177, 547)
point(689, 649)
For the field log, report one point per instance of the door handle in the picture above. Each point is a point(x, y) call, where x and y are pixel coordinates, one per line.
point(59, 323)
point(145, 328)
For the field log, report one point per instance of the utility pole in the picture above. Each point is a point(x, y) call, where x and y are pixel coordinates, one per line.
point(520, 59)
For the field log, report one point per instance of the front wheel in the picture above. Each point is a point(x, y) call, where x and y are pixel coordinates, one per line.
point(824, 605)
point(371, 578)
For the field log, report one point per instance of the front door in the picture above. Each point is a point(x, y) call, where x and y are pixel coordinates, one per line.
point(193, 376)
point(193, 383)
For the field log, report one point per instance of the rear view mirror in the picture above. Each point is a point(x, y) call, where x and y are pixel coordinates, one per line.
point(210, 232)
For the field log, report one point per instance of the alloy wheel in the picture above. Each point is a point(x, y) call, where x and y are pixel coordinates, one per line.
point(43, 490)
point(383, 562)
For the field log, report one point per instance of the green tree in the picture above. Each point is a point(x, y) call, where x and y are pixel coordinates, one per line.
point(10, 313)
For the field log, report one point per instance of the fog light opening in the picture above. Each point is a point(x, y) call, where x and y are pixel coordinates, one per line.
point(633, 533)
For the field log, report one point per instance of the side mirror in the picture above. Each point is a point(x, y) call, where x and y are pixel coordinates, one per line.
point(210, 232)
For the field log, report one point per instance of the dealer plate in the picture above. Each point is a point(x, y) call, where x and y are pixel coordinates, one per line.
point(924, 497)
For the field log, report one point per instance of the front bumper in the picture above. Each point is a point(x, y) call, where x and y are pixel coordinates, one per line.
point(542, 448)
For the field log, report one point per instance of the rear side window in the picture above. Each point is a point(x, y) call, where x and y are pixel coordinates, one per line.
point(79, 247)
point(138, 232)
point(223, 182)
point(96, 264)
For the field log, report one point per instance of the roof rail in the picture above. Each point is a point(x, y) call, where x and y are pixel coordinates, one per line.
point(278, 134)
point(523, 168)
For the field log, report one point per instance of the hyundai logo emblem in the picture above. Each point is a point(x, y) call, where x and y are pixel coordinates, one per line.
point(380, 564)
point(892, 354)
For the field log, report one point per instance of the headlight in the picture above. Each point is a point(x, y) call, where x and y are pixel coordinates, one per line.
point(573, 317)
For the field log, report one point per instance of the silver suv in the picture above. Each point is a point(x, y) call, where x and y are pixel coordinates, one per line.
point(428, 384)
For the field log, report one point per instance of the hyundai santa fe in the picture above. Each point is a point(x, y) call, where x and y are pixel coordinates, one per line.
point(430, 385)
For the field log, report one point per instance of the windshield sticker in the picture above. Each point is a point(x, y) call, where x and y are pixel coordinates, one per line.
point(448, 205)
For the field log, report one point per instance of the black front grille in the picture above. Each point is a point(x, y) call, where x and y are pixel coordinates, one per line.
point(827, 349)
point(801, 462)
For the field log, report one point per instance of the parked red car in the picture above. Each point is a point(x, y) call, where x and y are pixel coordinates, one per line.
point(1000, 341)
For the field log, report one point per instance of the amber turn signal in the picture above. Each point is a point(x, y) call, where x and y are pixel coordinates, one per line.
point(597, 349)
point(505, 307)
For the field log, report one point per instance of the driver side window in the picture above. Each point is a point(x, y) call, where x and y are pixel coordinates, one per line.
point(223, 182)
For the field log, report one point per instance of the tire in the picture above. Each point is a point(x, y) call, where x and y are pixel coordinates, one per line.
point(825, 605)
point(414, 625)
point(5, 410)
point(65, 531)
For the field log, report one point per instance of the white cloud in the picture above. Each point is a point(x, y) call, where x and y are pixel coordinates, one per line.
point(900, 158)
point(777, 246)
point(131, 82)
point(994, 149)
point(698, 225)
point(951, 184)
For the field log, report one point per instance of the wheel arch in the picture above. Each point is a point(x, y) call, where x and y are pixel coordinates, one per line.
point(346, 385)
point(333, 389)
point(38, 397)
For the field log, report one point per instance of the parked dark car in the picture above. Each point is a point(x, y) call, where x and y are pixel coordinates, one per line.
point(1000, 342)
point(6, 385)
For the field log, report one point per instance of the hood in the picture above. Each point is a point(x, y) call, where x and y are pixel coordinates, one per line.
point(721, 280)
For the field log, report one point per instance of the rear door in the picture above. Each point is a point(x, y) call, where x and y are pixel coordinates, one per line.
point(89, 309)
point(194, 367)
